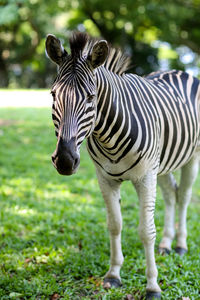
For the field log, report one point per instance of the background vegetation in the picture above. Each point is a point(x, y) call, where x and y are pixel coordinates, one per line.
point(54, 242)
point(158, 33)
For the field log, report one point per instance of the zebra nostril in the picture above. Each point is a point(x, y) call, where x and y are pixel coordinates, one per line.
point(76, 162)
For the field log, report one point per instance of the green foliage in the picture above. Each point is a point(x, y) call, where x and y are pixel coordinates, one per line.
point(135, 26)
point(8, 14)
point(53, 236)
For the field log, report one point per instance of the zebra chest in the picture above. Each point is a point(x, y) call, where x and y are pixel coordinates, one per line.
point(130, 167)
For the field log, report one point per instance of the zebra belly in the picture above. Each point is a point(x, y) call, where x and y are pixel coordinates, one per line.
point(176, 161)
point(177, 149)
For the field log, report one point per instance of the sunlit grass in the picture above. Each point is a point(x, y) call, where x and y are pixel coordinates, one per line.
point(53, 236)
point(25, 98)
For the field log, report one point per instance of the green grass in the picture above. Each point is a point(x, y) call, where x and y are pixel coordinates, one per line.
point(53, 236)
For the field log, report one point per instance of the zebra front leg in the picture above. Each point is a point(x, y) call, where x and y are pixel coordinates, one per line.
point(189, 173)
point(111, 194)
point(146, 189)
point(168, 186)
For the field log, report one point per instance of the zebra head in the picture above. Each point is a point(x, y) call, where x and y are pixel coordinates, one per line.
point(74, 96)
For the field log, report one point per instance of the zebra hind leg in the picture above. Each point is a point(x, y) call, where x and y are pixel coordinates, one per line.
point(168, 187)
point(189, 173)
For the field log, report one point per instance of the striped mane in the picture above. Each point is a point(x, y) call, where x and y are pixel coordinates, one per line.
point(81, 44)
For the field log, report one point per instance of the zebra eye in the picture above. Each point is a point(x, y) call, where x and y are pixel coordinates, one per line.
point(53, 94)
point(90, 98)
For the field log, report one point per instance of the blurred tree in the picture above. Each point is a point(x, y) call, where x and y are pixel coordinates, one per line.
point(23, 27)
point(138, 26)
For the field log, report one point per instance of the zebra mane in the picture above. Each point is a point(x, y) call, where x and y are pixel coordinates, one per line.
point(117, 61)
point(82, 44)
point(77, 43)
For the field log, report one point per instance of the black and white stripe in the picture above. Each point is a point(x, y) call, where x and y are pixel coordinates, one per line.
point(73, 109)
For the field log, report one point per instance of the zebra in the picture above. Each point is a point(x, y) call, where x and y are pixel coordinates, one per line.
point(139, 129)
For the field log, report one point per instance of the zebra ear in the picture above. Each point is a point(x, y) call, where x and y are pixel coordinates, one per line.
point(55, 50)
point(98, 54)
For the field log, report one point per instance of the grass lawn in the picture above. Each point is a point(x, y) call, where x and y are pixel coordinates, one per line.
point(54, 242)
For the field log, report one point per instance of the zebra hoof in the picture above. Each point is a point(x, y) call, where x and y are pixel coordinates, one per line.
point(153, 295)
point(163, 251)
point(180, 251)
point(111, 282)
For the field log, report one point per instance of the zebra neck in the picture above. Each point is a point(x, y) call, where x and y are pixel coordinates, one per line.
point(116, 132)
point(111, 111)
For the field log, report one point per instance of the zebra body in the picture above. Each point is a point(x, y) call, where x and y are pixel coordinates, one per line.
point(136, 129)
point(172, 124)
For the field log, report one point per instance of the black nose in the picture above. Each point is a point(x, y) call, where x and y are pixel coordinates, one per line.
point(66, 158)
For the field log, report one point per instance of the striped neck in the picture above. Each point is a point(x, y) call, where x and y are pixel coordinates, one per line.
point(109, 106)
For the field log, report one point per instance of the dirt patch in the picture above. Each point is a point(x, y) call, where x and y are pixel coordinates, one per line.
point(4, 123)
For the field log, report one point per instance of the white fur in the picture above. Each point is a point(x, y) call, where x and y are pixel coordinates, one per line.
point(146, 189)
point(168, 186)
point(181, 195)
point(111, 194)
point(188, 175)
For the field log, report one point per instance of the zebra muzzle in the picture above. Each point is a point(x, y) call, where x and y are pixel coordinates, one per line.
point(65, 158)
